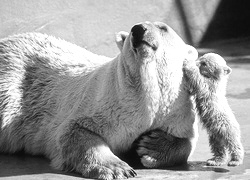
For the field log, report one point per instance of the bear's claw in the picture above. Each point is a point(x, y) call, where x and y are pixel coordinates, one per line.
point(109, 171)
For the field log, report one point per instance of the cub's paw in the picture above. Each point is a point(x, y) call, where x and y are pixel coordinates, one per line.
point(235, 162)
point(109, 170)
point(216, 161)
point(236, 158)
point(189, 63)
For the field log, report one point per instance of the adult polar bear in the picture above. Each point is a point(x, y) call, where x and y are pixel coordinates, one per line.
point(82, 110)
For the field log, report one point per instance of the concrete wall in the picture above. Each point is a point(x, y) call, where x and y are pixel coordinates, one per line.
point(93, 23)
point(230, 21)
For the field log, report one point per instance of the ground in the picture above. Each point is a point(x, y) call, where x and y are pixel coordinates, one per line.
point(237, 54)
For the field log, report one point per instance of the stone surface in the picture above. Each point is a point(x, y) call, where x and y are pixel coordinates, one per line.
point(93, 23)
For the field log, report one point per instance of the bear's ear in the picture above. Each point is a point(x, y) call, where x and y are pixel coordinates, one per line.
point(120, 38)
point(192, 53)
point(227, 70)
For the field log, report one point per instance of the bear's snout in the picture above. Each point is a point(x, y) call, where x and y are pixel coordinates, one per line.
point(143, 34)
point(138, 33)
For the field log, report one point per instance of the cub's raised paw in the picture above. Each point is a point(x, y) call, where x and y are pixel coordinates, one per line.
point(216, 161)
point(109, 170)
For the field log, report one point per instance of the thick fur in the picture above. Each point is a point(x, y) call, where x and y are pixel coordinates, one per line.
point(207, 80)
point(83, 110)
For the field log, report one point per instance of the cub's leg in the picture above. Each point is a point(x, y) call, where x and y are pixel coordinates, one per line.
point(227, 139)
point(87, 153)
point(237, 153)
point(235, 148)
point(159, 149)
point(218, 148)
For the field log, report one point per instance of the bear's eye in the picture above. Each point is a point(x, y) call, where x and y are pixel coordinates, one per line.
point(162, 27)
point(203, 64)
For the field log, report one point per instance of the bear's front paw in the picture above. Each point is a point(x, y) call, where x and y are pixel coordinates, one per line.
point(216, 161)
point(109, 170)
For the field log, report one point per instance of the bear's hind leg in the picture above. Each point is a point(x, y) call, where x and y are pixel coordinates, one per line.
point(159, 149)
point(87, 153)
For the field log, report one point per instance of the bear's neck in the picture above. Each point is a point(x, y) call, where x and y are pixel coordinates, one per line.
point(160, 86)
point(153, 90)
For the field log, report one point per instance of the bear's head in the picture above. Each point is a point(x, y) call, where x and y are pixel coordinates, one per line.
point(157, 42)
point(213, 66)
point(152, 55)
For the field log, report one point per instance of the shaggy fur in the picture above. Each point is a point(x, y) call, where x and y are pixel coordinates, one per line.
point(207, 80)
point(83, 110)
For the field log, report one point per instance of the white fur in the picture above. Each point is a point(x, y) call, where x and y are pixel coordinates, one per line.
point(80, 84)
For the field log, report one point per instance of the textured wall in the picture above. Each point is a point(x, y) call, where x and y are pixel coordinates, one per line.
point(230, 21)
point(93, 23)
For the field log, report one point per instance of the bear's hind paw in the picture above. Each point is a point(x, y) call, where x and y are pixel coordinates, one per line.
point(148, 161)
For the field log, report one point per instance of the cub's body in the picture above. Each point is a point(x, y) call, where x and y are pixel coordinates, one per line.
point(207, 81)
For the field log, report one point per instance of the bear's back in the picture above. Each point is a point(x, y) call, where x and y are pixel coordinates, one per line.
point(55, 52)
point(33, 64)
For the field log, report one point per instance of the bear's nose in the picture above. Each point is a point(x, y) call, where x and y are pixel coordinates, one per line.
point(138, 31)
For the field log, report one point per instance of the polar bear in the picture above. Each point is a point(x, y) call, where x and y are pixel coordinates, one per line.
point(82, 110)
point(207, 80)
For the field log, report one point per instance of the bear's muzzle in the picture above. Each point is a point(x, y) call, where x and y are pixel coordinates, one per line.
point(143, 34)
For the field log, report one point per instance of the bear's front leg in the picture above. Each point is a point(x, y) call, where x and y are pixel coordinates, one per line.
point(159, 149)
point(87, 153)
